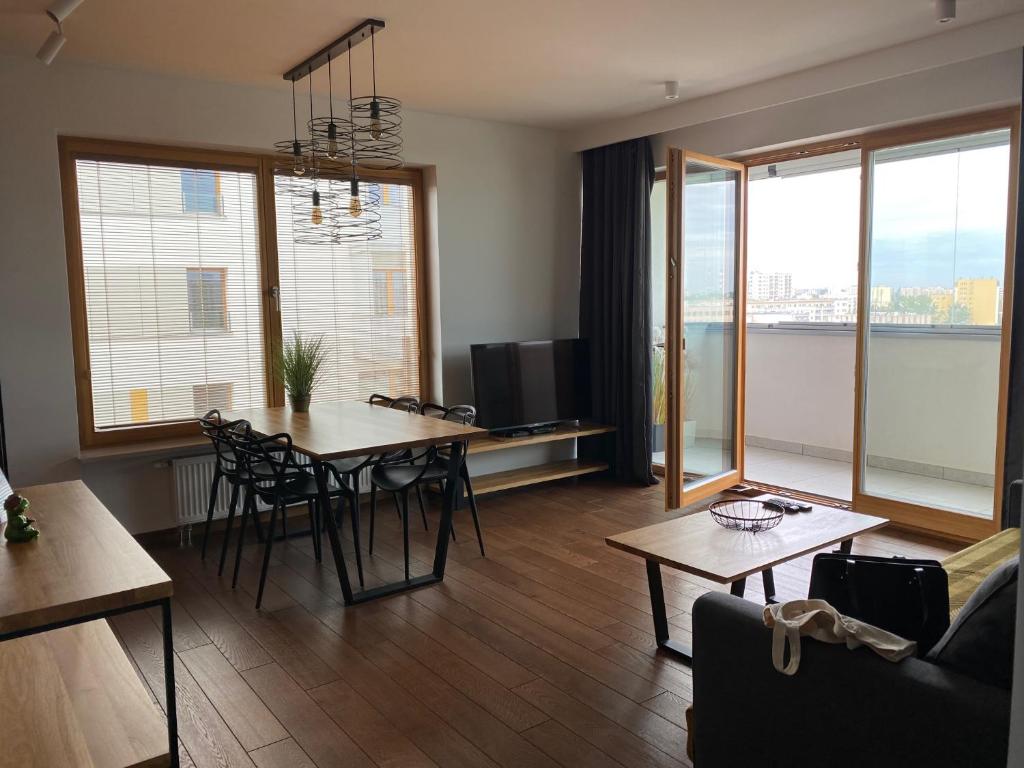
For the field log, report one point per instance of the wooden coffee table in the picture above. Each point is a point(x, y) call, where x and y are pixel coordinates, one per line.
point(697, 544)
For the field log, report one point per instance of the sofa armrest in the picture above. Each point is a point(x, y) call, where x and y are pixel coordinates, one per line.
point(841, 708)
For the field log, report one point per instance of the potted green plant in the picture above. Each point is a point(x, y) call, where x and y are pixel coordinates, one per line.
point(660, 398)
point(660, 404)
point(299, 366)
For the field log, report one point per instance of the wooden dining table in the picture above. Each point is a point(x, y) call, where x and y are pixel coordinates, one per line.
point(338, 430)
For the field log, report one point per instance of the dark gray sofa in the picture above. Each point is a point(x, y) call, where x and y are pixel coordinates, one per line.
point(842, 708)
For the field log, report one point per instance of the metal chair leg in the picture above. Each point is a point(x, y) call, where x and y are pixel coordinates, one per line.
point(355, 527)
point(314, 529)
point(266, 550)
point(227, 528)
point(423, 510)
point(214, 488)
point(472, 506)
point(248, 510)
point(405, 528)
point(256, 520)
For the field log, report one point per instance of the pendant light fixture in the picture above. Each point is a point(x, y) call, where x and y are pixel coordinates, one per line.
point(293, 148)
point(313, 203)
point(329, 201)
point(377, 122)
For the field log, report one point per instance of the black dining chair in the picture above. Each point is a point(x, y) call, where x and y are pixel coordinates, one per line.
point(228, 466)
point(275, 477)
point(397, 476)
point(466, 415)
point(411, 405)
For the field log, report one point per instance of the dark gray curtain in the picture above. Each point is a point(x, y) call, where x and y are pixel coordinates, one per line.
point(1014, 457)
point(615, 298)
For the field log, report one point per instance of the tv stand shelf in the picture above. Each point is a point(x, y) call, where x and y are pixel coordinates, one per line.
point(562, 432)
point(540, 473)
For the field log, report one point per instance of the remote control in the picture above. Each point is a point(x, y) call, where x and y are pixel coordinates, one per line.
point(791, 506)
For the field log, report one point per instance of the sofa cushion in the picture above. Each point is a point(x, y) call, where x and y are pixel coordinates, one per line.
point(980, 642)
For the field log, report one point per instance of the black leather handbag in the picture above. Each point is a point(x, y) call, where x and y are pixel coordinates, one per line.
point(909, 598)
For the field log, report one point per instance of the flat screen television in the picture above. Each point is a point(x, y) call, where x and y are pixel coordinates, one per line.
point(531, 383)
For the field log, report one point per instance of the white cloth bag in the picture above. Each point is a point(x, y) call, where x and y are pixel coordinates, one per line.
point(818, 619)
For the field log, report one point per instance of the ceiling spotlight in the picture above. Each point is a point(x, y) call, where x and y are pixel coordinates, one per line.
point(59, 11)
point(51, 47)
point(671, 90)
point(945, 11)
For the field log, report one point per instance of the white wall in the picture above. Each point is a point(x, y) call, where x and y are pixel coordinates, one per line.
point(800, 388)
point(932, 399)
point(971, 67)
point(965, 86)
point(506, 232)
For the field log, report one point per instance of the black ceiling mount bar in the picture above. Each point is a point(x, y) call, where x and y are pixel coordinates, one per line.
point(356, 35)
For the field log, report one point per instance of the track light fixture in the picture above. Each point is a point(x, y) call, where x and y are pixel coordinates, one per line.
point(671, 90)
point(59, 11)
point(945, 11)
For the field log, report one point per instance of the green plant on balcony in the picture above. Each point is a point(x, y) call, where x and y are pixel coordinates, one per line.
point(660, 392)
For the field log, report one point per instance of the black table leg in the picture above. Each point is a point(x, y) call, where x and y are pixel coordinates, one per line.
point(846, 547)
point(768, 579)
point(672, 647)
point(452, 488)
point(737, 587)
point(169, 690)
point(332, 530)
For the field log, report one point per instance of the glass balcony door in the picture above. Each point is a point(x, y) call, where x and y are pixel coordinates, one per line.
point(703, 346)
point(932, 342)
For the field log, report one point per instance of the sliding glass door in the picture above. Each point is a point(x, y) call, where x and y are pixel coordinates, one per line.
point(935, 293)
point(703, 348)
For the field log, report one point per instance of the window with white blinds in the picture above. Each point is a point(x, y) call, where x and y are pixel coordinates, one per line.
point(360, 297)
point(171, 266)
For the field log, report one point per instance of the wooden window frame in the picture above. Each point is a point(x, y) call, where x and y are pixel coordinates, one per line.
point(902, 513)
point(261, 165)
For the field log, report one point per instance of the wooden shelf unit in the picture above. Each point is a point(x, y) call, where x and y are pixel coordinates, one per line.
point(79, 703)
point(540, 473)
point(562, 432)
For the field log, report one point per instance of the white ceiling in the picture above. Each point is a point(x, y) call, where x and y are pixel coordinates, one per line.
point(555, 63)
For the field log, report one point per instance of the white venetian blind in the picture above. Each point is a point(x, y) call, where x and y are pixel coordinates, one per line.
point(359, 296)
point(171, 263)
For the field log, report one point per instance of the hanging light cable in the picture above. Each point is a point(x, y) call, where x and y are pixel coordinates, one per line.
point(375, 125)
point(298, 168)
point(332, 127)
point(316, 214)
point(355, 208)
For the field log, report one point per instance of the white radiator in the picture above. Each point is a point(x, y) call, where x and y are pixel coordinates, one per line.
point(192, 479)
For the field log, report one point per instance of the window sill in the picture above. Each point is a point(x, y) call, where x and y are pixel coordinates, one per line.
point(175, 446)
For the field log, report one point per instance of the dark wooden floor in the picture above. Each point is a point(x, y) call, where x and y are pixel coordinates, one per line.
point(539, 655)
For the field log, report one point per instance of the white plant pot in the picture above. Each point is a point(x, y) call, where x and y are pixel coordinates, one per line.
point(690, 433)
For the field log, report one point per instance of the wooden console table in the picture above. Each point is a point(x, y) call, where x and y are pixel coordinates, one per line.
point(79, 701)
point(540, 473)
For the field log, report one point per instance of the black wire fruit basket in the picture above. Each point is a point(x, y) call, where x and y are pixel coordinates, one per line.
point(747, 515)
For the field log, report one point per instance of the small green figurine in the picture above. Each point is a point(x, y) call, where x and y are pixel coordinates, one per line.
point(19, 525)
